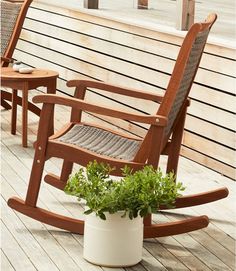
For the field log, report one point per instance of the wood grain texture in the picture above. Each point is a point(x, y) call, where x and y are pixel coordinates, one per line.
point(87, 46)
point(208, 249)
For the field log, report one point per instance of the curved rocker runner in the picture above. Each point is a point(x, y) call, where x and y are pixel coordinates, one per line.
point(80, 142)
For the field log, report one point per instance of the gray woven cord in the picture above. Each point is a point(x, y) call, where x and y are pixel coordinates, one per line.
point(9, 14)
point(101, 142)
point(187, 78)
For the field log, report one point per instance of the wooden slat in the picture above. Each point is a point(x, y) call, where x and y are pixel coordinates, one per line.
point(14, 252)
point(25, 239)
point(103, 61)
point(153, 29)
point(213, 97)
point(229, 101)
point(193, 124)
point(68, 241)
point(205, 255)
point(70, 68)
point(5, 264)
point(132, 37)
point(209, 148)
point(212, 114)
point(211, 131)
point(208, 249)
point(208, 162)
point(55, 244)
point(154, 61)
point(190, 243)
point(73, 75)
point(84, 45)
point(218, 80)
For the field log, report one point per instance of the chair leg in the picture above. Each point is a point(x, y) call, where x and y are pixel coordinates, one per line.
point(35, 178)
point(174, 150)
point(147, 221)
point(66, 171)
point(60, 182)
point(14, 111)
point(29, 208)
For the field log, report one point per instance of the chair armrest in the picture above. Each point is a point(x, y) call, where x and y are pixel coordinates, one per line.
point(115, 89)
point(85, 106)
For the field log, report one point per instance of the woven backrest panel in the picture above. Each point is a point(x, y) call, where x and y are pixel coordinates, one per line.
point(101, 142)
point(187, 78)
point(9, 14)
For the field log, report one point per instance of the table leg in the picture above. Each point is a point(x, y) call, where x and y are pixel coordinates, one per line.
point(14, 111)
point(24, 117)
point(51, 89)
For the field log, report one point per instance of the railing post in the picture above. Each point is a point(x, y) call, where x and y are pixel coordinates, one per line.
point(185, 14)
point(91, 4)
point(142, 4)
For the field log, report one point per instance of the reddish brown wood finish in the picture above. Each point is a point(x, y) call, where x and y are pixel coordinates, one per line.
point(26, 82)
point(142, 4)
point(8, 96)
point(76, 104)
point(7, 57)
point(16, 32)
point(55, 181)
point(155, 143)
point(178, 227)
point(44, 216)
point(201, 198)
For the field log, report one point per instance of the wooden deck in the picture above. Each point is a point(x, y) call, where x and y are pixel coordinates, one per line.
point(30, 245)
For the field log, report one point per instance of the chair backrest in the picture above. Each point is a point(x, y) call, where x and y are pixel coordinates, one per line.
point(184, 72)
point(175, 98)
point(12, 18)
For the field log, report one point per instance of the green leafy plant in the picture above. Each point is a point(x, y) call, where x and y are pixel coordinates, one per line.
point(138, 193)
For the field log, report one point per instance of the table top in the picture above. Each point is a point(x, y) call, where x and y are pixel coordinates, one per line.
point(8, 74)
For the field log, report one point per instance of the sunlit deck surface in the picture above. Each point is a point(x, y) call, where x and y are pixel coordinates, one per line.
point(161, 15)
point(30, 245)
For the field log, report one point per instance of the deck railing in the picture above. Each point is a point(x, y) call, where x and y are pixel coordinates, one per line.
point(185, 10)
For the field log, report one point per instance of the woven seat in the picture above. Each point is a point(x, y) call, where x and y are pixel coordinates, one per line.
point(101, 141)
point(80, 142)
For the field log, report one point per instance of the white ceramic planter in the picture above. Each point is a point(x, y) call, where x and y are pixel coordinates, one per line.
point(114, 242)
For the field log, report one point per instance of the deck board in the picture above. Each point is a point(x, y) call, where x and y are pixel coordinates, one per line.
point(5, 264)
point(30, 241)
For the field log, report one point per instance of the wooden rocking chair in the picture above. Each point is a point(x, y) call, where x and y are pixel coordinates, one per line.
point(13, 13)
point(82, 142)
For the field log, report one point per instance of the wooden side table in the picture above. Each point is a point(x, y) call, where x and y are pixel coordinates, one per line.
point(25, 82)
